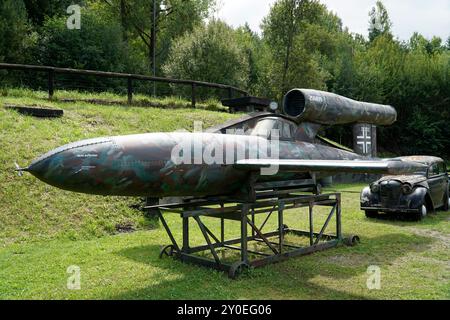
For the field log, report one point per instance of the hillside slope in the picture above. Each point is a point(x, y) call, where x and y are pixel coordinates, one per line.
point(30, 209)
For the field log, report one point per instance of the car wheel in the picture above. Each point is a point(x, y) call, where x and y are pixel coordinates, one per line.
point(446, 202)
point(371, 213)
point(422, 212)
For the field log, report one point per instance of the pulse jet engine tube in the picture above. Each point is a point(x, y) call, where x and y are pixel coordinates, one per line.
point(307, 105)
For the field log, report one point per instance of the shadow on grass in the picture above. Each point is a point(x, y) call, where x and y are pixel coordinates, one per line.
point(317, 276)
point(402, 219)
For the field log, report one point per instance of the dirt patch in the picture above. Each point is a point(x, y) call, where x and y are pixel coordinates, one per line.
point(352, 260)
point(126, 227)
point(442, 238)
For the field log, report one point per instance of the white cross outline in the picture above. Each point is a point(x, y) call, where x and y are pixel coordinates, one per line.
point(366, 140)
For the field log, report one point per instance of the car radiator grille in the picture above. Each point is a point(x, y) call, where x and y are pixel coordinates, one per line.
point(390, 192)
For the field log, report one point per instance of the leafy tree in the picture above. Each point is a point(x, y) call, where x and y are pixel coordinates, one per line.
point(96, 46)
point(209, 53)
point(173, 18)
point(256, 52)
point(379, 23)
point(281, 28)
point(417, 42)
point(39, 10)
point(413, 79)
point(435, 45)
point(13, 30)
point(302, 37)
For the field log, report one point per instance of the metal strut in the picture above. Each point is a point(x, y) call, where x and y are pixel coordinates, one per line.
point(245, 215)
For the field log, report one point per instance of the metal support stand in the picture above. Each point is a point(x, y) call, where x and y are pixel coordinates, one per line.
point(277, 248)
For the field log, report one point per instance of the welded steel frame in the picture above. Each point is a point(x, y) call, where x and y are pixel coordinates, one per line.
point(244, 213)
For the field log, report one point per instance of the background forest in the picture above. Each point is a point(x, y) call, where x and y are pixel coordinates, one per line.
point(302, 44)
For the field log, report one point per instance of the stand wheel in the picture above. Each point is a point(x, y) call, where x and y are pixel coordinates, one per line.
point(236, 269)
point(352, 240)
point(167, 251)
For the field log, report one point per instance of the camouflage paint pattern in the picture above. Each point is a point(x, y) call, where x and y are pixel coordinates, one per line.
point(305, 131)
point(307, 105)
point(141, 165)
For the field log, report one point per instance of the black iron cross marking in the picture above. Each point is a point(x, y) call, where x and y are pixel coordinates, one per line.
point(365, 140)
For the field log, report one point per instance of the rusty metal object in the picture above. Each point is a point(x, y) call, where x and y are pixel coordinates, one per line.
point(249, 244)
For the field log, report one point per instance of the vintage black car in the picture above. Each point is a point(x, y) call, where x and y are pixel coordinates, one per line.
point(416, 195)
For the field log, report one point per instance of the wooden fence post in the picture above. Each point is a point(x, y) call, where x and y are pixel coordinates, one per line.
point(130, 90)
point(193, 101)
point(51, 84)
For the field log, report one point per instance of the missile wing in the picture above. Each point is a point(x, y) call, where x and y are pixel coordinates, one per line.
point(387, 166)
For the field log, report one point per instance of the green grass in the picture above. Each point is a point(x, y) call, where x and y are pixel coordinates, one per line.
point(171, 102)
point(413, 258)
point(44, 230)
point(31, 210)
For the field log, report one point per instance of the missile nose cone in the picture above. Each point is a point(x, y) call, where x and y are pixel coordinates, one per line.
point(58, 166)
point(36, 168)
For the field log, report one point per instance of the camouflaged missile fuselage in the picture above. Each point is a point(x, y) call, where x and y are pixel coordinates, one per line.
point(142, 165)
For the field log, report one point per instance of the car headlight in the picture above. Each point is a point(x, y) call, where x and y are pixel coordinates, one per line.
point(374, 187)
point(407, 188)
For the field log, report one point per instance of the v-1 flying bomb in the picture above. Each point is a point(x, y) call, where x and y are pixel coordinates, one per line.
point(265, 146)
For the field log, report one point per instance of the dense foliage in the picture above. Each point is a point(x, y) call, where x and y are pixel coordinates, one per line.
point(210, 53)
point(302, 44)
point(96, 46)
point(13, 26)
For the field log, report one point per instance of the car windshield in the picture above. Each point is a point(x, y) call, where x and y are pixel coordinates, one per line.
point(421, 172)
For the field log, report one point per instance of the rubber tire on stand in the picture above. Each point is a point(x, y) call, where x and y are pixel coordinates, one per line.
point(352, 240)
point(167, 251)
point(236, 269)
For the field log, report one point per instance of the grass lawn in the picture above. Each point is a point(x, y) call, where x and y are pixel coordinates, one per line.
point(413, 259)
point(30, 209)
point(43, 230)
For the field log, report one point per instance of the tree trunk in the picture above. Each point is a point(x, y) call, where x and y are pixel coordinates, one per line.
point(153, 27)
point(289, 44)
point(123, 19)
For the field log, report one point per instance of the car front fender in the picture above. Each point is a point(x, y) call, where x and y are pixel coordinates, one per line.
point(417, 198)
point(367, 197)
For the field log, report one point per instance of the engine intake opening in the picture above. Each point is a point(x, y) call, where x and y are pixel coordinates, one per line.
point(294, 103)
point(309, 105)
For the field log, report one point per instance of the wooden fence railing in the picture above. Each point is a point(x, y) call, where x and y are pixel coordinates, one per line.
point(53, 71)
